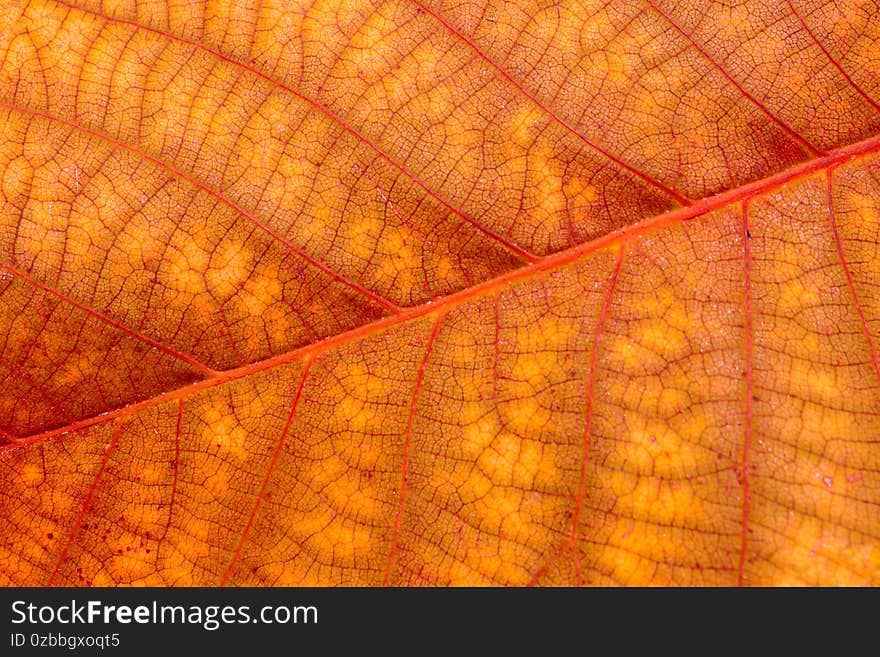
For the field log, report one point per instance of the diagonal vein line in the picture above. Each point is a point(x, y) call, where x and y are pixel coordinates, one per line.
point(678, 196)
point(588, 411)
point(174, 483)
point(269, 471)
point(838, 243)
point(586, 437)
point(812, 150)
point(552, 262)
point(74, 531)
point(831, 59)
point(401, 495)
point(322, 109)
point(178, 173)
point(204, 369)
point(748, 331)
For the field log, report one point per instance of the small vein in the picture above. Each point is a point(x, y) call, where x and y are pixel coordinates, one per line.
point(77, 525)
point(838, 243)
point(678, 196)
point(747, 424)
point(407, 436)
point(831, 59)
point(322, 109)
point(586, 438)
point(770, 115)
point(161, 538)
point(178, 173)
point(268, 476)
point(204, 369)
point(588, 411)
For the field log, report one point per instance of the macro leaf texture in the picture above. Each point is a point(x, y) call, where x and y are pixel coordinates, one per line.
point(448, 292)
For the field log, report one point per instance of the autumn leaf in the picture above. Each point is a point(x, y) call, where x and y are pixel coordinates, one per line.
point(430, 293)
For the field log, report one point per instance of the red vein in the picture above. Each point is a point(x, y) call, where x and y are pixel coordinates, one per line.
point(831, 59)
point(533, 581)
point(107, 320)
point(322, 109)
point(269, 470)
point(678, 196)
point(784, 126)
point(866, 329)
point(77, 525)
point(586, 438)
point(178, 173)
point(747, 426)
point(174, 482)
point(407, 436)
point(588, 412)
point(547, 263)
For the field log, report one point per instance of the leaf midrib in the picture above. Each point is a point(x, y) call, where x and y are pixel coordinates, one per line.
point(616, 239)
point(363, 291)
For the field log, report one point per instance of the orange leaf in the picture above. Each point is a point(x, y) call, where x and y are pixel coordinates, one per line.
point(437, 293)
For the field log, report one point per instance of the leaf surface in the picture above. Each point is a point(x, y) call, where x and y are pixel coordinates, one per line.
point(440, 293)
